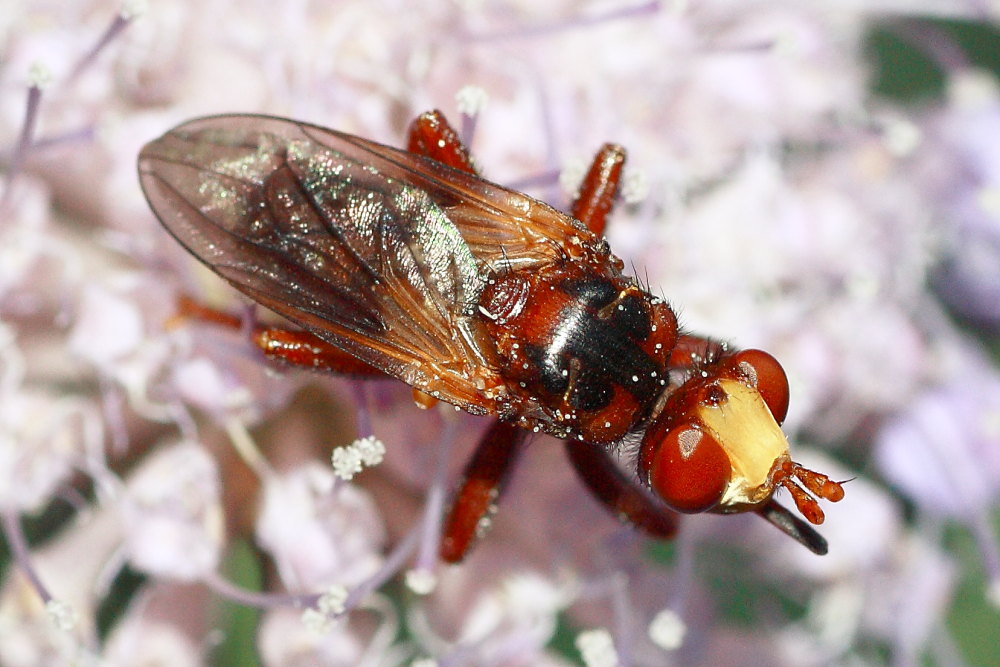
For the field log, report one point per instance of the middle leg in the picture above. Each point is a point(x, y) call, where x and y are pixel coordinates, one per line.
point(498, 450)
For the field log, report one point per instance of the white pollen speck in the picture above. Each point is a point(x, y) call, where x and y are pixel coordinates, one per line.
point(635, 378)
point(346, 462)
point(471, 100)
point(39, 76)
point(133, 9)
point(62, 614)
point(597, 648)
point(322, 618)
point(636, 187)
point(421, 581)
point(607, 424)
point(667, 630)
point(371, 450)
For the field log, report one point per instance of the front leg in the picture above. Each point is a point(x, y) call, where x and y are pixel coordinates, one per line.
point(624, 497)
point(597, 192)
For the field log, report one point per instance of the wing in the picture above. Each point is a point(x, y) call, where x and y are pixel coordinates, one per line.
point(378, 251)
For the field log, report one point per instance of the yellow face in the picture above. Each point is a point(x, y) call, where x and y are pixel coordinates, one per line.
point(746, 430)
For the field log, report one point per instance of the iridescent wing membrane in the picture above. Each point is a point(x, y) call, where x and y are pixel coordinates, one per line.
point(381, 252)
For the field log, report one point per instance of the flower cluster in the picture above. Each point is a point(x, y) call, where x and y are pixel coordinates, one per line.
point(769, 197)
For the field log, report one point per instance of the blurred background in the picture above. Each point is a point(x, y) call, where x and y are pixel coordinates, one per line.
point(820, 180)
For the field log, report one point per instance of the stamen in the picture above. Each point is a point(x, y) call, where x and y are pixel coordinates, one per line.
point(21, 553)
point(432, 523)
point(471, 101)
point(129, 12)
point(360, 593)
point(40, 79)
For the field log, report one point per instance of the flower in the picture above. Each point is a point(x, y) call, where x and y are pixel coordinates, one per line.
point(968, 195)
point(769, 198)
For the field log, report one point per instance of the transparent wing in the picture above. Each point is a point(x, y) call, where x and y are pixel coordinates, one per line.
point(378, 251)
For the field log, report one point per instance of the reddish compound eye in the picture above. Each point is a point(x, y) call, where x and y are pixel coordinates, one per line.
point(690, 470)
point(763, 371)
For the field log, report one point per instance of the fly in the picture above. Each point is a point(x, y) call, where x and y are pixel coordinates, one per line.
point(406, 263)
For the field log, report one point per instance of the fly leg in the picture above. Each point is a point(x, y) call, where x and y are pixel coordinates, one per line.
point(483, 481)
point(488, 470)
point(624, 496)
point(431, 136)
point(599, 187)
point(299, 348)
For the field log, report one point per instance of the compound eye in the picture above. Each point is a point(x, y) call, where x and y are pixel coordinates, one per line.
point(690, 470)
point(762, 371)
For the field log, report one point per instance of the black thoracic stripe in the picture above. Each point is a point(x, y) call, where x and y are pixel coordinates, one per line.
point(606, 348)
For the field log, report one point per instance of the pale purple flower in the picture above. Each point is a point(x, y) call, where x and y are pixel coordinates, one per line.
point(907, 601)
point(319, 532)
point(173, 513)
point(768, 199)
point(44, 439)
point(943, 453)
point(44, 436)
point(962, 164)
point(509, 620)
point(108, 329)
point(24, 240)
point(160, 627)
point(283, 639)
point(75, 564)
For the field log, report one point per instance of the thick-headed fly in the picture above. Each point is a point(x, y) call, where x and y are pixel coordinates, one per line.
point(407, 263)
